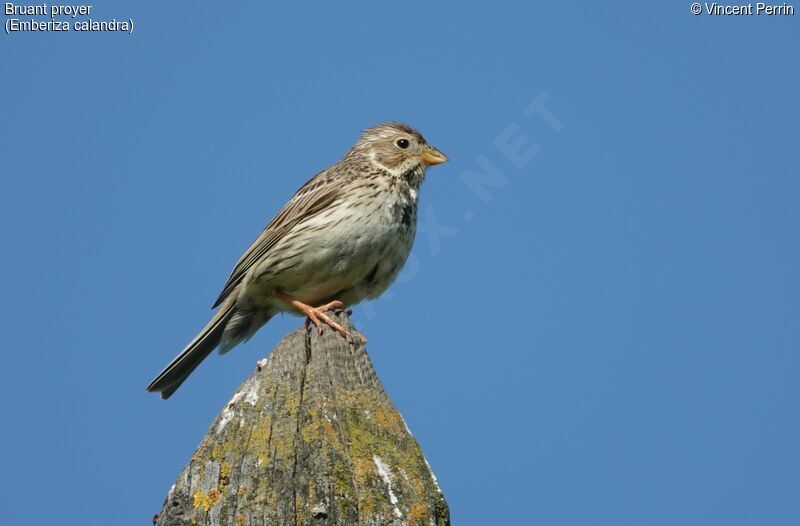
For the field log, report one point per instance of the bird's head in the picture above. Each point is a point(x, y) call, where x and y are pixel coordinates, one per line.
point(396, 148)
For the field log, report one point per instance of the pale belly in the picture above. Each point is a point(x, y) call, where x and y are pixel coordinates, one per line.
point(343, 254)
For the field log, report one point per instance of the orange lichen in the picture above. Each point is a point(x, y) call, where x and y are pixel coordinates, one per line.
point(418, 515)
point(206, 501)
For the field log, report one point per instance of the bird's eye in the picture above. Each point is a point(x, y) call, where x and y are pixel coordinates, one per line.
point(402, 143)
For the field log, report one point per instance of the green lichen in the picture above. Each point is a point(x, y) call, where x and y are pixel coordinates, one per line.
point(321, 445)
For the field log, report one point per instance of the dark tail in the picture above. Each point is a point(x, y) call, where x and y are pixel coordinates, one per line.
point(174, 374)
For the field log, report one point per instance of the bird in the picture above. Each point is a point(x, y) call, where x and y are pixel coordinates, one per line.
point(341, 239)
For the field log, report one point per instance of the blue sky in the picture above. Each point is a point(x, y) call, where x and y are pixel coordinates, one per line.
point(610, 338)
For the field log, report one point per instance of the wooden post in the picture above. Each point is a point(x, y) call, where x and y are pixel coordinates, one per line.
point(310, 438)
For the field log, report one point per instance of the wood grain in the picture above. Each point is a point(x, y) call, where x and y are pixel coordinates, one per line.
point(310, 438)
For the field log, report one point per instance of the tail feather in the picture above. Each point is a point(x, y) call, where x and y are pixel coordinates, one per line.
point(242, 325)
point(174, 374)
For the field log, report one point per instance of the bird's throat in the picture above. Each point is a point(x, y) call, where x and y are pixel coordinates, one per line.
point(414, 176)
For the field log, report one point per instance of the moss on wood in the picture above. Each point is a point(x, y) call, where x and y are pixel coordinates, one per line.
point(310, 438)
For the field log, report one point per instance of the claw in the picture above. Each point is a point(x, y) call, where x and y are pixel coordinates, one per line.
point(317, 316)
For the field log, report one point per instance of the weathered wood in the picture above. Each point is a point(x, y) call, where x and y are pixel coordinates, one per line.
point(310, 438)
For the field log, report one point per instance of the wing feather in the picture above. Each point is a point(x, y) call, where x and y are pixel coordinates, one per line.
point(313, 197)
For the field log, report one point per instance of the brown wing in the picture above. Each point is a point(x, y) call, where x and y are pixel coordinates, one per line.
point(313, 197)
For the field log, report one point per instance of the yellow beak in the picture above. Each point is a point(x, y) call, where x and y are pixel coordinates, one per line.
point(431, 156)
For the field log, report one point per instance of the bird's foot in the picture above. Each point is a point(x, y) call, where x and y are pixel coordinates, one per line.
point(361, 337)
point(316, 315)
